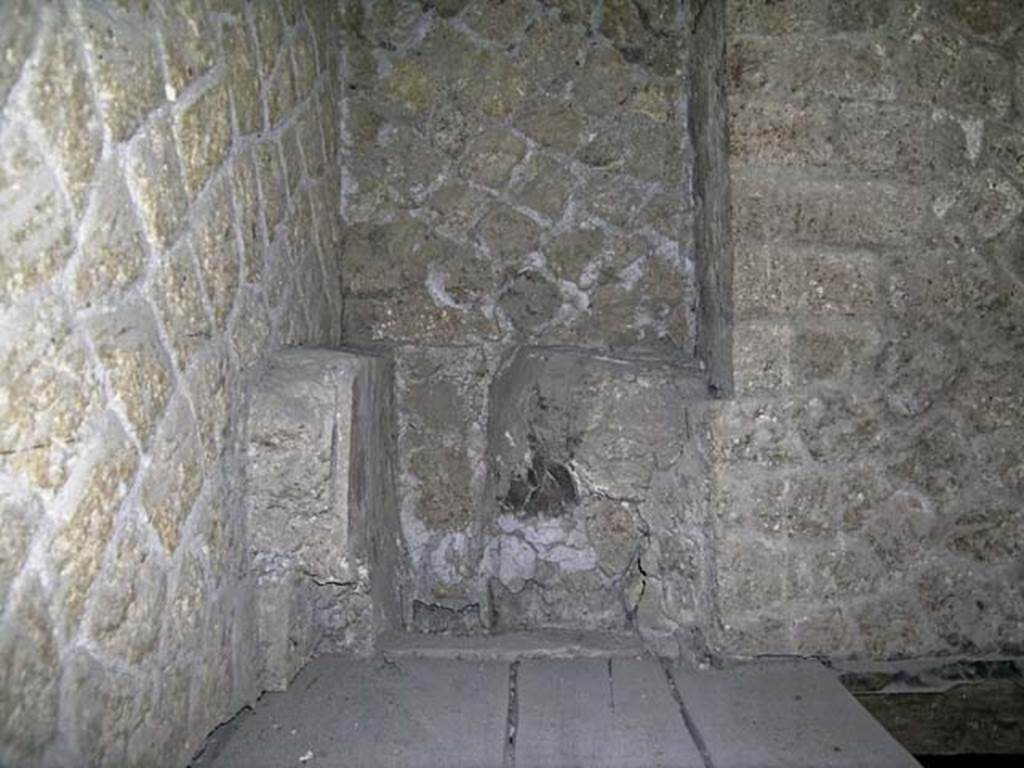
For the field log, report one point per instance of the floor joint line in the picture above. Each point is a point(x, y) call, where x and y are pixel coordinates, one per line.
point(688, 721)
point(512, 720)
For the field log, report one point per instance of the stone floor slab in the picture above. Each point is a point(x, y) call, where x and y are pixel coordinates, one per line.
point(784, 715)
point(599, 712)
point(346, 712)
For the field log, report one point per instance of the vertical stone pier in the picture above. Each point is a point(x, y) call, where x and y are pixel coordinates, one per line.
point(322, 515)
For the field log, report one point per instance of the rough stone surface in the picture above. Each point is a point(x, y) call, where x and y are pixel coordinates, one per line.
point(94, 492)
point(35, 233)
point(29, 669)
point(188, 187)
point(139, 299)
point(855, 473)
point(530, 128)
point(321, 506)
point(594, 467)
point(126, 55)
point(113, 254)
point(154, 170)
point(48, 395)
point(474, 139)
point(536, 490)
point(59, 96)
point(204, 133)
point(138, 369)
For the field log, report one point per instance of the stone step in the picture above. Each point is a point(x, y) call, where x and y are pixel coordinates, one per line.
point(510, 646)
point(783, 714)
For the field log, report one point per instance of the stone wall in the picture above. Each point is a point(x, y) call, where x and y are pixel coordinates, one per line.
point(516, 173)
point(168, 214)
point(869, 473)
point(515, 229)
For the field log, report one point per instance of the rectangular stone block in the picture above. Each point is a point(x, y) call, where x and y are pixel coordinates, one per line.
point(839, 353)
point(323, 522)
point(805, 502)
point(285, 626)
point(307, 503)
point(760, 18)
point(761, 355)
point(442, 406)
point(837, 572)
point(772, 205)
point(842, 427)
point(775, 280)
point(901, 141)
point(802, 67)
point(768, 132)
point(753, 430)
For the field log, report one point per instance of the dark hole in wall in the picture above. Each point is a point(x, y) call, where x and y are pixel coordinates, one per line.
point(432, 618)
point(546, 487)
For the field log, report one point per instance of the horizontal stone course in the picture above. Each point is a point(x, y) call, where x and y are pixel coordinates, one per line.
point(785, 206)
point(804, 279)
point(842, 68)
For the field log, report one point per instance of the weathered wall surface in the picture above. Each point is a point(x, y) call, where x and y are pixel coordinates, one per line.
point(594, 502)
point(168, 187)
point(517, 173)
point(869, 473)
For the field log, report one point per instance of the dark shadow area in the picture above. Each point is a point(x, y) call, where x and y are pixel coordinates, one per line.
point(958, 761)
